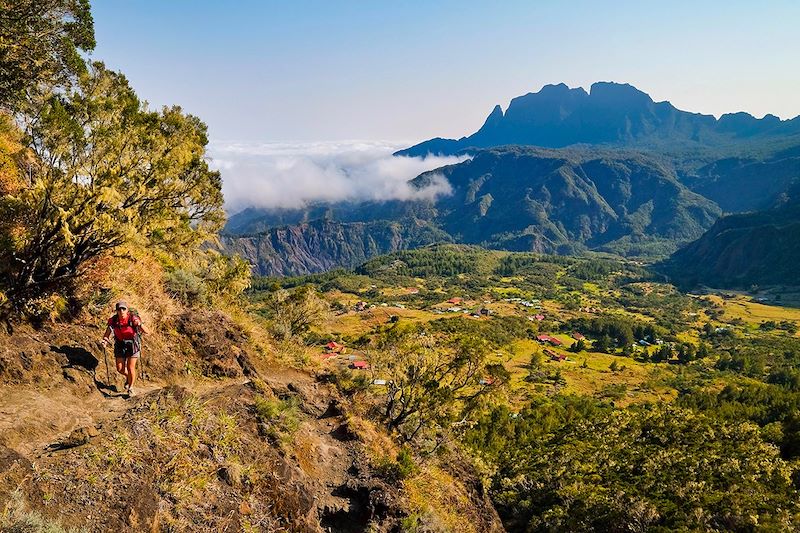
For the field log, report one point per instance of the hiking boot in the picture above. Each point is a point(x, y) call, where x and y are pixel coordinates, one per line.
point(130, 392)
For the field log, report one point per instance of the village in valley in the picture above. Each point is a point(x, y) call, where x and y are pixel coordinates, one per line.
point(563, 325)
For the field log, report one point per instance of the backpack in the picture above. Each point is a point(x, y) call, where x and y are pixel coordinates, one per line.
point(137, 341)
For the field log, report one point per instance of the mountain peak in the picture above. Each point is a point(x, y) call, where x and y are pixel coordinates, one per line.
point(610, 92)
point(494, 118)
point(611, 113)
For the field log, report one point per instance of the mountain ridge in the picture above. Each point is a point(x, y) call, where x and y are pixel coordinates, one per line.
point(610, 113)
point(744, 249)
point(512, 198)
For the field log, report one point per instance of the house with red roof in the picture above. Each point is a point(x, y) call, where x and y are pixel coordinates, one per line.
point(360, 365)
point(555, 356)
point(334, 347)
point(547, 338)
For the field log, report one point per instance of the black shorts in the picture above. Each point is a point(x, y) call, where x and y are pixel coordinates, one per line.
point(125, 349)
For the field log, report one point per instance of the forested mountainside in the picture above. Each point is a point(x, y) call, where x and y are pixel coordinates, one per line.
point(748, 182)
point(251, 221)
point(758, 248)
point(513, 198)
point(610, 114)
point(546, 201)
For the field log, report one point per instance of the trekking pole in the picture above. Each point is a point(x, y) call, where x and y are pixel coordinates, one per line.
point(105, 358)
point(141, 358)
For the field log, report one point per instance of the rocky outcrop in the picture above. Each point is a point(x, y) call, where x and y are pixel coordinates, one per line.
point(324, 244)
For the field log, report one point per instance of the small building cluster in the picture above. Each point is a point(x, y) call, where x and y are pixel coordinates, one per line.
point(555, 356)
point(536, 304)
point(547, 339)
point(334, 350)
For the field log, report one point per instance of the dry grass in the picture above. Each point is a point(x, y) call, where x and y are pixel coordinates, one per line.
point(140, 283)
point(591, 379)
point(744, 308)
point(17, 518)
point(354, 324)
point(440, 501)
point(377, 443)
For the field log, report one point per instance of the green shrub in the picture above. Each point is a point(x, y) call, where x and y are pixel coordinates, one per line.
point(277, 418)
point(402, 467)
point(187, 287)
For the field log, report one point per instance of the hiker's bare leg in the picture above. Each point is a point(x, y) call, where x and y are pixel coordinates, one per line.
point(121, 367)
point(131, 367)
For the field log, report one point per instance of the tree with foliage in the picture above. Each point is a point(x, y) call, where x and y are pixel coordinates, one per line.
point(686, 353)
point(703, 351)
point(662, 354)
point(603, 344)
point(294, 312)
point(578, 347)
point(432, 385)
point(204, 275)
point(536, 361)
point(565, 466)
point(40, 45)
point(106, 171)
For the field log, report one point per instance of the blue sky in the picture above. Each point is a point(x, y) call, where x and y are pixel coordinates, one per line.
point(406, 71)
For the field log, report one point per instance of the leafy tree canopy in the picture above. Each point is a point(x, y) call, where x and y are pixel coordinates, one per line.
point(104, 170)
point(40, 44)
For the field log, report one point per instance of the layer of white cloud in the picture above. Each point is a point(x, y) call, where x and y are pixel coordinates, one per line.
point(295, 174)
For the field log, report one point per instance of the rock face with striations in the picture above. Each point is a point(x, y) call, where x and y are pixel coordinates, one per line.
point(610, 114)
point(325, 244)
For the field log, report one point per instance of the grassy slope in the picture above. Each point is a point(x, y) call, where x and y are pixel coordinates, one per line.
point(227, 431)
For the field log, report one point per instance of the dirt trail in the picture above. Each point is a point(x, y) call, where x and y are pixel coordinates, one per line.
point(61, 425)
point(35, 419)
point(32, 418)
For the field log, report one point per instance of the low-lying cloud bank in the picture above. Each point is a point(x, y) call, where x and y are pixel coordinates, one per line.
point(289, 175)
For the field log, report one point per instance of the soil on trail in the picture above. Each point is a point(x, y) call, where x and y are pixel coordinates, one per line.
point(215, 439)
point(84, 455)
point(57, 379)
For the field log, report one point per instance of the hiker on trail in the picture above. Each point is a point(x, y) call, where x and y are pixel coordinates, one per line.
point(127, 347)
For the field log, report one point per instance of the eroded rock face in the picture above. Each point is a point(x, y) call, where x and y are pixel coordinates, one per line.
point(221, 346)
point(325, 244)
